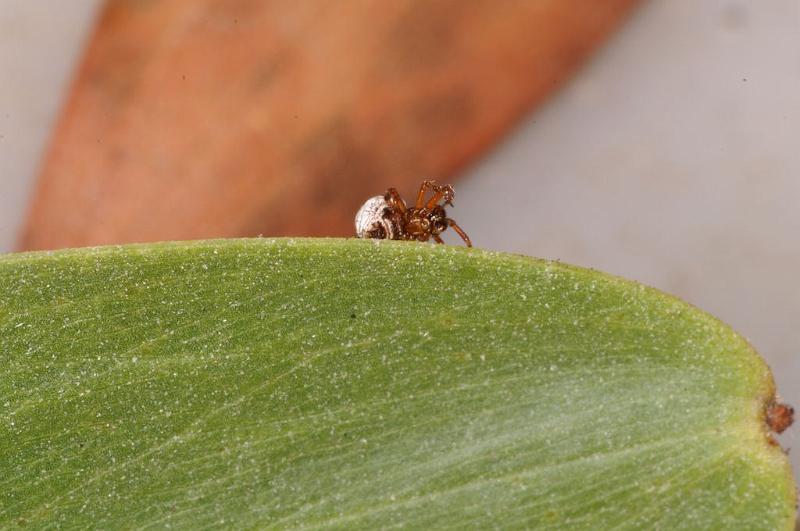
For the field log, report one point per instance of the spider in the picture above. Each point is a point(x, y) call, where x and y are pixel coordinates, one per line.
point(387, 217)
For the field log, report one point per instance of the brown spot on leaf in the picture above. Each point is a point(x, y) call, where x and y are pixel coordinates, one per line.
point(779, 416)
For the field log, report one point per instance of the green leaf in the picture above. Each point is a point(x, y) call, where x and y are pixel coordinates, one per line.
point(367, 384)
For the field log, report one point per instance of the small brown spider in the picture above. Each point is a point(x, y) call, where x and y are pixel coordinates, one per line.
point(387, 217)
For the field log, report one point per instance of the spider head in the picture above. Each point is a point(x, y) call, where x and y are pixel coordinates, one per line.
point(423, 223)
point(437, 219)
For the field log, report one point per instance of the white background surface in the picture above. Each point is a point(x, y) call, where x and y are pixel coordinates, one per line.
point(40, 42)
point(673, 158)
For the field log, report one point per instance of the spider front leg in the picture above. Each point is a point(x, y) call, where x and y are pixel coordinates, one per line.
point(423, 189)
point(459, 230)
point(392, 197)
point(438, 238)
point(439, 192)
point(445, 193)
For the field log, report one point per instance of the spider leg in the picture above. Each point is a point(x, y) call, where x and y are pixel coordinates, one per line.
point(460, 231)
point(423, 189)
point(438, 239)
point(392, 196)
point(442, 192)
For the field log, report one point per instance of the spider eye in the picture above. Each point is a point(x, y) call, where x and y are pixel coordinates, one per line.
point(439, 225)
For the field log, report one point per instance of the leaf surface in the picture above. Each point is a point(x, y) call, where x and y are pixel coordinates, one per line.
point(366, 384)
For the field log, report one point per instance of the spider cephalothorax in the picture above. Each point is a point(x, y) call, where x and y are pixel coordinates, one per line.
point(388, 217)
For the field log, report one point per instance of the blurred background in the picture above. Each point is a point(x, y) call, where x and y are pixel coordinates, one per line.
point(656, 140)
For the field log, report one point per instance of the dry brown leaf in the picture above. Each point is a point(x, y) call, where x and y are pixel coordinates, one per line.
point(203, 118)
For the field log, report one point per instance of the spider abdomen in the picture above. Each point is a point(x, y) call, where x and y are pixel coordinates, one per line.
point(375, 219)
